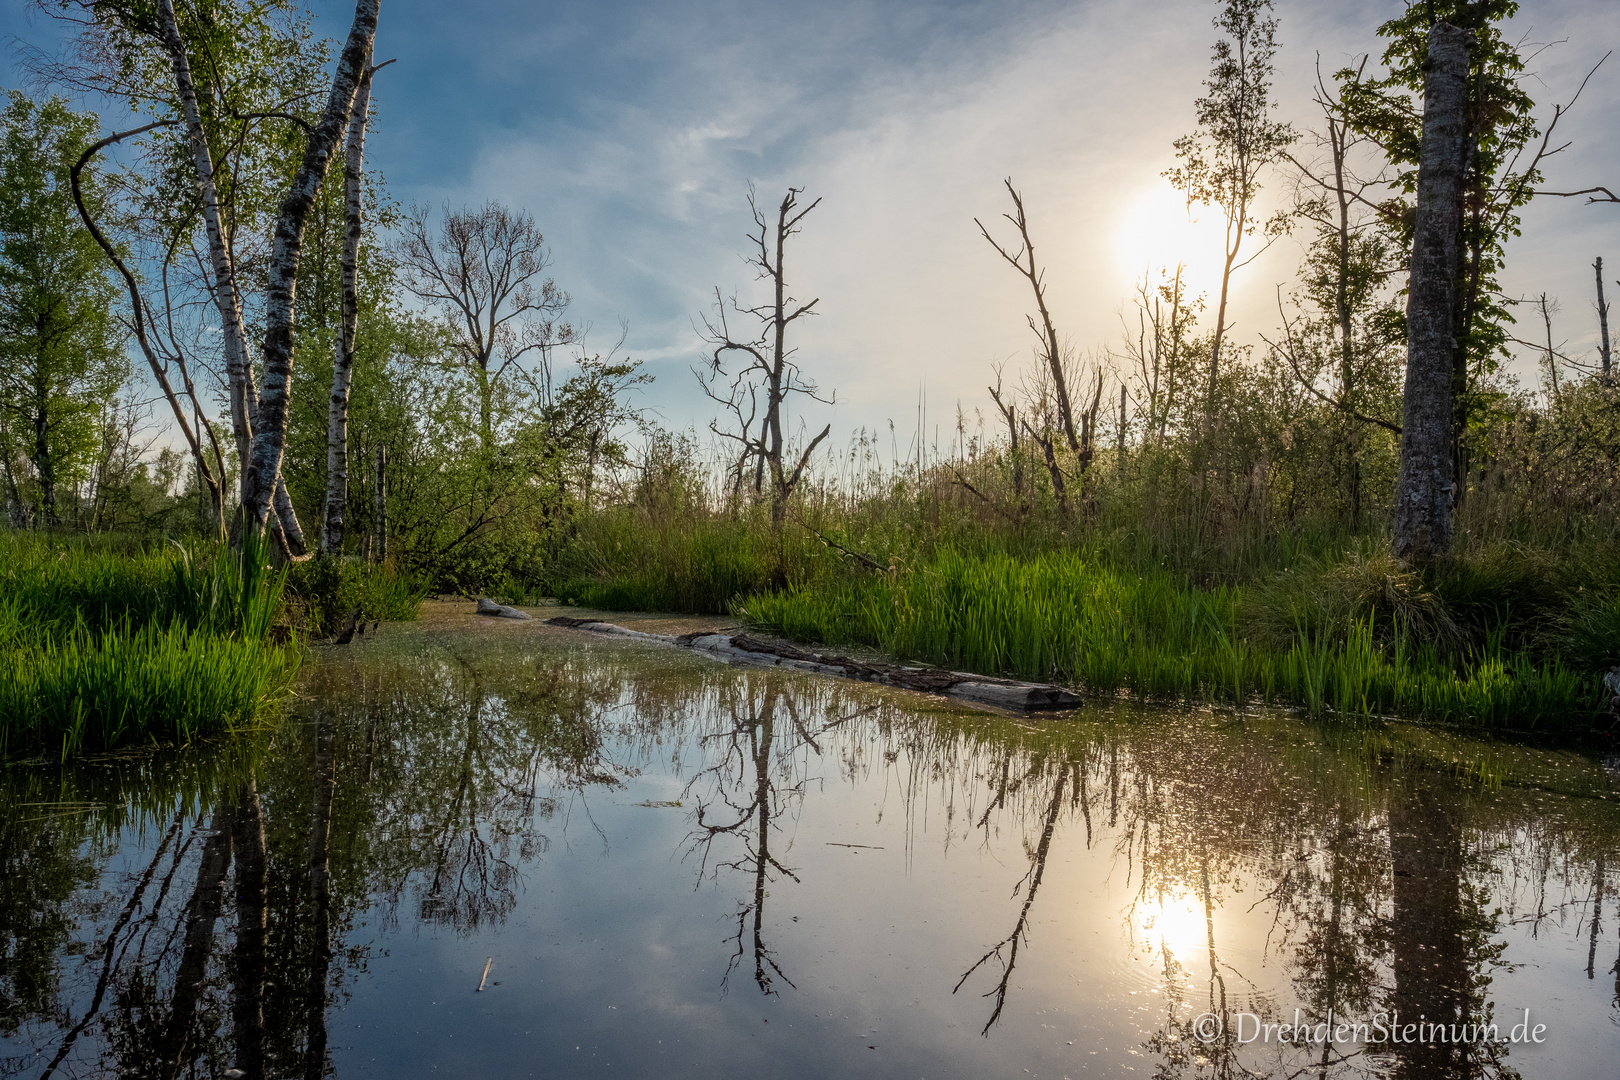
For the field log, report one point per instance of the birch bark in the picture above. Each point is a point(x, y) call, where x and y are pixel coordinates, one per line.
point(227, 298)
point(1425, 485)
point(337, 422)
point(269, 440)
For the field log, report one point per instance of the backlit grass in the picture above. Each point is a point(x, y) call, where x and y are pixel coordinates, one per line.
point(1060, 616)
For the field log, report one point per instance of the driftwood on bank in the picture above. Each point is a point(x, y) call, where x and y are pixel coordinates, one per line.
point(742, 649)
point(486, 606)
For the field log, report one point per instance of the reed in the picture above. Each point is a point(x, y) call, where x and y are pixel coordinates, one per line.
point(1074, 618)
point(100, 649)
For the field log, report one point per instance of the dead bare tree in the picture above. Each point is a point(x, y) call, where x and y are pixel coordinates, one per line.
point(768, 369)
point(486, 271)
point(1603, 324)
point(1009, 412)
point(1050, 353)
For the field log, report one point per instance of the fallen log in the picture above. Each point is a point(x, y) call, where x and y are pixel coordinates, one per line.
point(486, 606)
point(742, 649)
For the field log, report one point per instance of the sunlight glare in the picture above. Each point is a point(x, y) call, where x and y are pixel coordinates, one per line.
point(1176, 923)
point(1158, 229)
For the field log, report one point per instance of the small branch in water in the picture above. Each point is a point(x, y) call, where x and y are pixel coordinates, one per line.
point(481, 982)
point(869, 847)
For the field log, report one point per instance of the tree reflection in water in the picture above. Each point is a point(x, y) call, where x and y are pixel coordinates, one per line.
point(1005, 951)
point(748, 797)
point(433, 786)
point(169, 914)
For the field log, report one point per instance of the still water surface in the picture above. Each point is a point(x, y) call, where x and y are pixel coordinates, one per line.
point(657, 865)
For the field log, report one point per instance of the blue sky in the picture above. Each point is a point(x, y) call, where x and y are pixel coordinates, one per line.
point(632, 130)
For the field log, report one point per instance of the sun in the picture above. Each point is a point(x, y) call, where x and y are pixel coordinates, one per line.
point(1177, 924)
point(1158, 229)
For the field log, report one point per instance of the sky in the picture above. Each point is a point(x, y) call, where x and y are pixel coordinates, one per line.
point(632, 131)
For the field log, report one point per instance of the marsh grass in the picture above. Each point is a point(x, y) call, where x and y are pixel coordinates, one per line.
point(100, 649)
point(1074, 618)
point(691, 562)
point(321, 593)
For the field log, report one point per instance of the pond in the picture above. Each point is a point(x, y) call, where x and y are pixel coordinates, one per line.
point(479, 848)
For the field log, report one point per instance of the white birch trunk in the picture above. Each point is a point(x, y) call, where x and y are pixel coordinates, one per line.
point(269, 441)
point(227, 299)
point(239, 370)
point(337, 422)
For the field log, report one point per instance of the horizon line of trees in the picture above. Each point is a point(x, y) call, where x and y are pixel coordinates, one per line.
point(435, 406)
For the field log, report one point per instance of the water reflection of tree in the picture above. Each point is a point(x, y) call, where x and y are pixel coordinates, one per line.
point(226, 952)
point(1443, 939)
point(474, 772)
point(1005, 951)
point(748, 798)
point(443, 776)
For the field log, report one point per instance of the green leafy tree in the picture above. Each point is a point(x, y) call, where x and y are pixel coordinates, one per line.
point(1236, 141)
point(62, 359)
point(1498, 179)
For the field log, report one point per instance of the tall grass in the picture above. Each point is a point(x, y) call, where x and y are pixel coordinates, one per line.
point(100, 649)
point(688, 561)
point(323, 591)
point(1066, 616)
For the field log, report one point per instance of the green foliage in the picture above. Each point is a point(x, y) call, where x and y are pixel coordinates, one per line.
point(1069, 617)
point(62, 361)
point(626, 560)
point(1589, 632)
point(148, 684)
point(100, 649)
point(326, 589)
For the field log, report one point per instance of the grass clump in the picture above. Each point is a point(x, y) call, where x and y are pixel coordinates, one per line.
point(693, 562)
point(101, 649)
point(1373, 641)
point(323, 591)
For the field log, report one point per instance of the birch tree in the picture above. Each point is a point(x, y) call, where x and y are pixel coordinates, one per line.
point(269, 440)
point(218, 72)
point(767, 367)
point(337, 430)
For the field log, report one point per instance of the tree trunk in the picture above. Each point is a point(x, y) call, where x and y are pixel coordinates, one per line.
point(247, 1006)
point(44, 467)
point(337, 422)
point(1603, 323)
point(1119, 453)
point(269, 441)
point(1425, 486)
point(238, 367)
point(380, 518)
